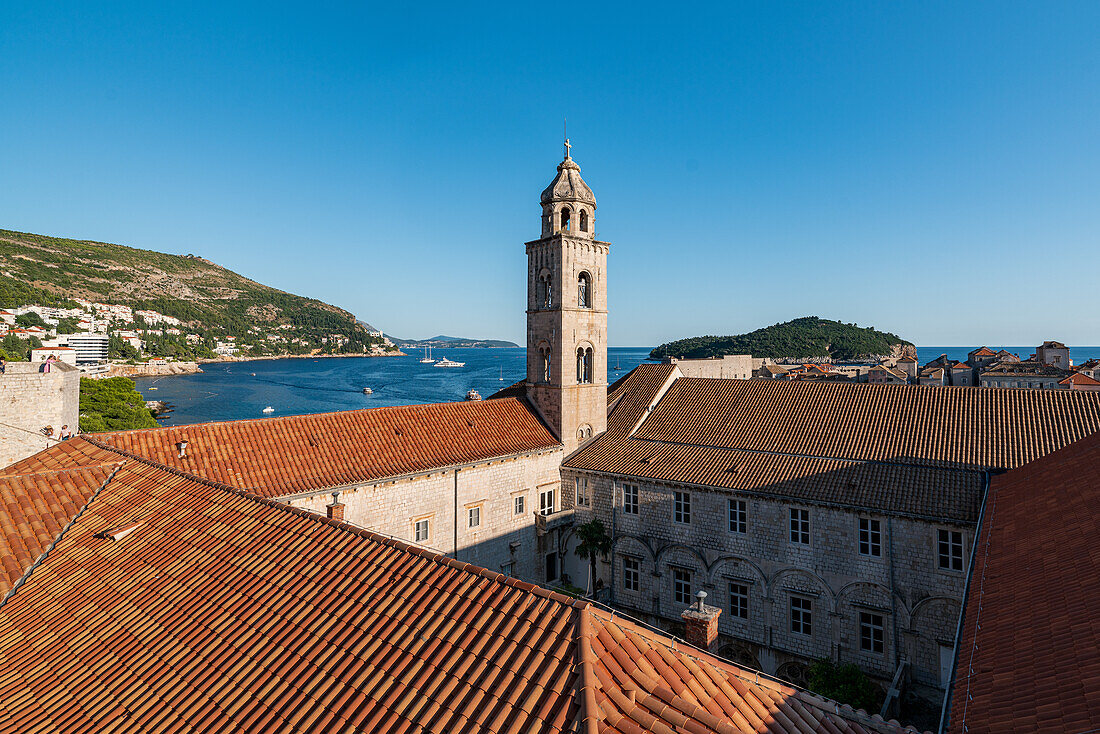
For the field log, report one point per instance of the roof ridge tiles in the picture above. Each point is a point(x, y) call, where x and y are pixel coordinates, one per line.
point(66, 470)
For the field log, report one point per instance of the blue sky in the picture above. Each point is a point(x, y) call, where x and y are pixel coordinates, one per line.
point(930, 169)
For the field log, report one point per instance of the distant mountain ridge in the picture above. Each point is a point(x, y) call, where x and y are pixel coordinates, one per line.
point(451, 341)
point(805, 337)
point(211, 300)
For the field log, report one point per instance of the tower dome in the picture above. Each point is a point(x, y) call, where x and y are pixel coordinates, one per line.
point(568, 205)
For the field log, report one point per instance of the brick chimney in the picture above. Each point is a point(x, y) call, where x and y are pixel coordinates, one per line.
point(335, 511)
point(701, 623)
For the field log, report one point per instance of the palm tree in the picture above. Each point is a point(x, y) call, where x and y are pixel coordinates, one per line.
point(593, 541)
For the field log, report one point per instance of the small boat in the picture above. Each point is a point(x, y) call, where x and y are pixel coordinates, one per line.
point(427, 358)
point(444, 362)
point(268, 409)
point(617, 367)
point(502, 373)
point(473, 395)
point(367, 391)
point(152, 388)
point(253, 374)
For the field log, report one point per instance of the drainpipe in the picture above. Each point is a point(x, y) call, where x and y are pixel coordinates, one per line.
point(455, 554)
point(893, 593)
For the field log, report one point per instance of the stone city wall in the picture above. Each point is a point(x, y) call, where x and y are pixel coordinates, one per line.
point(31, 401)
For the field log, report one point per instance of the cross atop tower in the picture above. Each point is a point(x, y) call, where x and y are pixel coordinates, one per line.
point(567, 147)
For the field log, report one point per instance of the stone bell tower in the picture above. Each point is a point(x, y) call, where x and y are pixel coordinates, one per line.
point(567, 311)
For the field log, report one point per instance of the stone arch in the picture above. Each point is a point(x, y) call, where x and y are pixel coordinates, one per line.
point(585, 356)
point(584, 290)
point(794, 671)
point(583, 220)
point(848, 591)
point(628, 543)
point(565, 219)
point(544, 355)
point(925, 607)
point(545, 289)
point(740, 562)
point(814, 580)
point(740, 653)
point(666, 550)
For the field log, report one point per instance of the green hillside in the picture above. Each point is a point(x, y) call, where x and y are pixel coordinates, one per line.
point(808, 336)
point(210, 299)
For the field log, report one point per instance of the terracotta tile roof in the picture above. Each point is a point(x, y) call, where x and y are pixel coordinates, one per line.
point(1078, 378)
point(33, 510)
point(1053, 345)
point(515, 390)
point(983, 352)
point(76, 452)
point(222, 611)
point(1028, 368)
point(632, 395)
point(281, 456)
point(1028, 655)
point(909, 449)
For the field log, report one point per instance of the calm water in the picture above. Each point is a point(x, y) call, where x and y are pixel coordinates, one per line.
point(230, 391)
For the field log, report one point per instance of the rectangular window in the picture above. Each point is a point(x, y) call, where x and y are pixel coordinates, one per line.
point(630, 499)
point(870, 537)
point(802, 611)
point(800, 526)
point(520, 504)
point(551, 566)
point(681, 586)
point(870, 632)
point(474, 516)
point(739, 601)
point(508, 569)
point(546, 501)
point(681, 507)
point(739, 513)
point(632, 568)
point(950, 544)
point(583, 498)
point(420, 531)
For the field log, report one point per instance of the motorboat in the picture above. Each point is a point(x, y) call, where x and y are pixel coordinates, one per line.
point(473, 395)
point(367, 391)
point(444, 362)
point(427, 358)
point(268, 409)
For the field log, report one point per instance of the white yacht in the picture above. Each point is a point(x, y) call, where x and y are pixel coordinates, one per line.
point(268, 409)
point(427, 358)
point(444, 362)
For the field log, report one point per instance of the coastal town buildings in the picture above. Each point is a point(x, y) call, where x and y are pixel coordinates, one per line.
point(376, 570)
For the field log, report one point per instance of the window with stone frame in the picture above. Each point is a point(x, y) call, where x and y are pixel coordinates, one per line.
point(584, 290)
point(871, 628)
point(632, 574)
point(584, 365)
point(584, 499)
point(681, 586)
point(546, 501)
point(583, 220)
point(421, 530)
point(739, 600)
point(870, 537)
point(473, 516)
point(630, 499)
point(739, 514)
point(802, 610)
point(681, 507)
point(949, 545)
point(508, 569)
point(800, 526)
point(519, 504)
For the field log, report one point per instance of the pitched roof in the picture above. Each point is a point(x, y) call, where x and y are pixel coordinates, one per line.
point(1078, 378)
point(223, 611)
point(1053, 345)
point(1028, 367)
point(983, 352)
point(1027, 656)
point(283, 456)
point(33, 510)
point(898, 448)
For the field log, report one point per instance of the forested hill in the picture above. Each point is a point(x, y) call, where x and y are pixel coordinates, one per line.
point(210, 299)
point(809, 336)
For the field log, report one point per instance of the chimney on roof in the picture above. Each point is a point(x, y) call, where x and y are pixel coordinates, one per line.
point(335, 511)
point(182, 446)
point(701, 622)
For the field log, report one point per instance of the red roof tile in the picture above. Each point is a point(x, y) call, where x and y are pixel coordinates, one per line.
point(222, 611)
point(1028, 655)
point(33, 510)
point(281, 456)
point(1078, 378)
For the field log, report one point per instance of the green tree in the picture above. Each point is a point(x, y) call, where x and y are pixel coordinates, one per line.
point(29, 319)
point(593, 542)
point(844, 683)
point(19, 350)
point(113, 404)
point(119, 348)
point(68, 326)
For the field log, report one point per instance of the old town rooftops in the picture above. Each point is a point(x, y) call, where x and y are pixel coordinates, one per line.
point(283, 456)
point(1028, 367)
point(806, 441)
point(224, 611)
point(1027, 655)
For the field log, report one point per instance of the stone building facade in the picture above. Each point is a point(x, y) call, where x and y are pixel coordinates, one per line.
point(889, 599)
point(728, 367)
point(481, 513)
point(32, 401)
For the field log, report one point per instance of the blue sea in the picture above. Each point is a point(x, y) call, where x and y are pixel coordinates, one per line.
point(236, 390)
